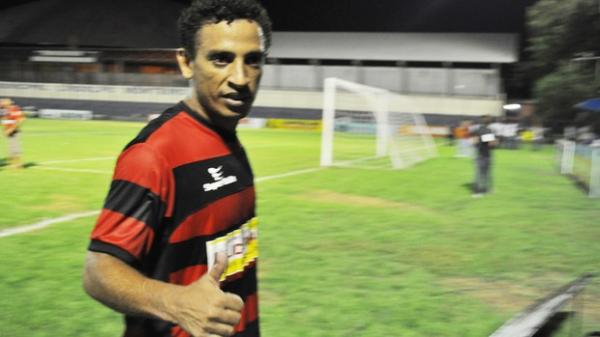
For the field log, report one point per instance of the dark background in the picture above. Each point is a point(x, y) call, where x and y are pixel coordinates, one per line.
point(490, 16)
point(151, 23)
point(500, 16)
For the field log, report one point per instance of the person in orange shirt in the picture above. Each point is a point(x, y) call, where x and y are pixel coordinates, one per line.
point(12, 120)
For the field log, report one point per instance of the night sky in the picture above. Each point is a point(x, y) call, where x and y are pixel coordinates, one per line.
point(151, 23)
point(496, 16)
point(489, 16)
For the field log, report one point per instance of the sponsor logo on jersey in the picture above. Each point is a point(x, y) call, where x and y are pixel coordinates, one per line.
point(241, 247)
point(219, 180)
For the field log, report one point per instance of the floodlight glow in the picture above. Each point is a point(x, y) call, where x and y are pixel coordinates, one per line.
point(512, 106)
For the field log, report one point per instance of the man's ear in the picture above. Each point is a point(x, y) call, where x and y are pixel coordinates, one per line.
point(185, 63)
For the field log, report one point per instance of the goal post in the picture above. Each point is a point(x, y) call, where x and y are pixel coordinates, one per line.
point(377, 98)
point(359, 130)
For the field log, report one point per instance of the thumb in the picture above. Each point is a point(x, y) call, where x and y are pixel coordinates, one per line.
point(219, 267)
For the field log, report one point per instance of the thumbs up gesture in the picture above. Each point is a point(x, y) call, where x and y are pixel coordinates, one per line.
point(219, 267)
point(203, 309)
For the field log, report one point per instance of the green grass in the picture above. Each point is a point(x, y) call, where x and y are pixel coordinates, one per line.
point(344, 252)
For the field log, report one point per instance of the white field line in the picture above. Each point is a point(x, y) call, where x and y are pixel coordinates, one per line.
point(262, 146)
point(72, 133)
point(288, 174)
point(75, 160)
point(259, 179)
point(45, 223)
point(363, 167)
point(48, 222)
point(65, 169)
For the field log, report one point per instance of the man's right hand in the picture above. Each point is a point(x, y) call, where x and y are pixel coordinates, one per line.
point(203, 309)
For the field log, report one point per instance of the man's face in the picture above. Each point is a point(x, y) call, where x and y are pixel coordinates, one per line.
point(226, 70)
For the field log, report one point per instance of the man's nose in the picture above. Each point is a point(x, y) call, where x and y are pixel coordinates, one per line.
point(239, 76)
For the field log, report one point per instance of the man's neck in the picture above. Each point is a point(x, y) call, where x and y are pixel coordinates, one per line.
point(225, 124)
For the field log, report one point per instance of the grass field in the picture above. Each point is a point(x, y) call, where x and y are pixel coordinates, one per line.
point(344, 252)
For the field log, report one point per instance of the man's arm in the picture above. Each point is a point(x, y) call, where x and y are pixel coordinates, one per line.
point(200, 308)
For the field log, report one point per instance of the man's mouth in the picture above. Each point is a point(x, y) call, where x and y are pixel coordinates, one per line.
point(236, 99)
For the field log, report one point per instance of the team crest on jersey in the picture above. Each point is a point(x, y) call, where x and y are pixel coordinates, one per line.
point(219, 181)
point(241, 247)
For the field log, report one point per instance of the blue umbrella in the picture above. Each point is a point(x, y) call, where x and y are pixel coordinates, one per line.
point(592, 104)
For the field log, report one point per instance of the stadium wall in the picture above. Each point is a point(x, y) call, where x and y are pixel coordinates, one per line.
point(136, 102)
point(413, 80)
point(451, 81)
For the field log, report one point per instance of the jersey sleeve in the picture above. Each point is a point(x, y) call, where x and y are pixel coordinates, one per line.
point(135, 207)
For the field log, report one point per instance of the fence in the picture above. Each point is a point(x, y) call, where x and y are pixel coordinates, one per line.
point(581, 162)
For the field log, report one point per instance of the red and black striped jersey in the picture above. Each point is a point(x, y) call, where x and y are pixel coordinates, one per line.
point(183, 190)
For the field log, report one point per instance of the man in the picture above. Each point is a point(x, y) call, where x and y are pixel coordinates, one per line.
point(484, 140)
point(12, 119)
point(174, 248)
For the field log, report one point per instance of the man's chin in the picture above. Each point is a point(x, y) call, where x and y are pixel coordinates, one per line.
point(228, 118)
point(236, 112)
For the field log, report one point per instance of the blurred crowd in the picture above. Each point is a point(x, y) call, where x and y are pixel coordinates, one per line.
point(509, 135)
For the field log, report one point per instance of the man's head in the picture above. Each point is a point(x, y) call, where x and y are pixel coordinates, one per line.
point(202, 12)
point(224, 43)
point(486, 119)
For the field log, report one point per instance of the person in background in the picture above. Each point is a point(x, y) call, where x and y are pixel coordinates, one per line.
point(451, 134)
point(538, 131)
point(462, 134)
point(485, 141)
point(175, 246)
point(12, 119)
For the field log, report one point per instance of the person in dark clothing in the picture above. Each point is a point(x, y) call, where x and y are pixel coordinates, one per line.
point(485, 141)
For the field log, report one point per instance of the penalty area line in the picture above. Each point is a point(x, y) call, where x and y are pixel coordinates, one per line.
point(76, 160)
point(45, 223)
point(48, 222)
point(288, 174)
point(65, 169)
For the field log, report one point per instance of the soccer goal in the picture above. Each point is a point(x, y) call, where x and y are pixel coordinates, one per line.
point(359, 130)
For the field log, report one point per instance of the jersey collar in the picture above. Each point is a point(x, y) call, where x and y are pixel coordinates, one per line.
point(227, 135)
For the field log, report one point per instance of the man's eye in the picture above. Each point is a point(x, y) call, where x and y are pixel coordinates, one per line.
point(254, 60)
point(221, 60)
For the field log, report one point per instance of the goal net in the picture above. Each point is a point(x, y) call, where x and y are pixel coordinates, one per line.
point(359, 130)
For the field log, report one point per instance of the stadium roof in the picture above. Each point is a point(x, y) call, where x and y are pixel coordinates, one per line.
point(428, 47)
point(126, 23)
point(123, 23)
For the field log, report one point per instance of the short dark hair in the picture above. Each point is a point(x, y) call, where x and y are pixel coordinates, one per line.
point(487, 119)
point(202, 12)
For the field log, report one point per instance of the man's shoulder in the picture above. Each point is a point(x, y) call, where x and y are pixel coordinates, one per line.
point(155, 125)
point(176, 138)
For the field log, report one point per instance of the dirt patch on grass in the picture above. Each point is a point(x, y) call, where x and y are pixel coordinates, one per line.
point(359, 200)
point(60, 202)
point(512, 298)
point(591, 310)
point(502, 296)
point(268, 296)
